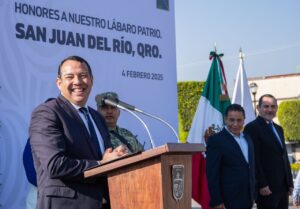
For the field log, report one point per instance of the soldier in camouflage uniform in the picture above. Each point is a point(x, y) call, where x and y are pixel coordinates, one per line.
point(118, 135)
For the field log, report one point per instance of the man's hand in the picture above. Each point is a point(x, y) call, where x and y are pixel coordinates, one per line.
point(121, 150)
point(110, 154)
point(221, 206)
point(265, 191)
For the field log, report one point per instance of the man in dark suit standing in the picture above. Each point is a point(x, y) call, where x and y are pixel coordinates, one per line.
point(273, 170)
point(67, 137)
point(230, 164)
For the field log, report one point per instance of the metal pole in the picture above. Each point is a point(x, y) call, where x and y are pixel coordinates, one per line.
point(254, 101)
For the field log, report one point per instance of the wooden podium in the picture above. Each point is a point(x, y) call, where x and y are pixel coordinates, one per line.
point(160, 178)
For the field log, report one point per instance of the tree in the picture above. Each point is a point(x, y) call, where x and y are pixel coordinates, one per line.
point(288, 116)
point(188, 98)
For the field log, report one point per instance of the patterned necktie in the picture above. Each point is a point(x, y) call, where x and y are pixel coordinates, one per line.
point(271, 126)
point(91, 128)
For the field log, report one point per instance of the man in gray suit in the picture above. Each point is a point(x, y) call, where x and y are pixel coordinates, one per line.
point(67, 138)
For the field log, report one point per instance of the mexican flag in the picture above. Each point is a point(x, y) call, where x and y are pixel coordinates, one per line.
point(208, 119)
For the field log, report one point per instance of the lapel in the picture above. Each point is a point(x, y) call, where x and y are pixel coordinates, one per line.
point(72, 112)
point(237, 150)
point(250, 149)
point(269, 135)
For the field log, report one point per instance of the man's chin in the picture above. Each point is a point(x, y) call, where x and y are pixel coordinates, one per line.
point(270, 117)
point(79, 102)
point(108, 121)
point(79, 96)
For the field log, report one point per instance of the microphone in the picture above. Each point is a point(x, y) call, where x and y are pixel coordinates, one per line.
point(128, 108)
point(118, 103)
point(124, 106)
point(110, 102)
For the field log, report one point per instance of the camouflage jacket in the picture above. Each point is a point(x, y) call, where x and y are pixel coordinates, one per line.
point(118, 135)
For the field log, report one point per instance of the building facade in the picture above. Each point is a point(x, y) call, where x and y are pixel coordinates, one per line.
point(284, 88)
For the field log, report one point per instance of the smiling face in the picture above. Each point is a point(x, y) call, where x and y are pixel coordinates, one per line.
point(268, 108)
point(234, 122)
point(75, 82)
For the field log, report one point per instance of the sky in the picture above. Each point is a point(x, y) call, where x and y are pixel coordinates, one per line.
point(268, 32)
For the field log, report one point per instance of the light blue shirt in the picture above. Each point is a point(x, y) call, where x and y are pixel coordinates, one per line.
point(241, 142)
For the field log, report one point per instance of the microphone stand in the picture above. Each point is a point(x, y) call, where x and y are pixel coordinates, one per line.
point(159, 119)
point(135, 115)
point(130, 108)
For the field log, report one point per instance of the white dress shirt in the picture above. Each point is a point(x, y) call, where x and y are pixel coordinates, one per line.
point(241, 142)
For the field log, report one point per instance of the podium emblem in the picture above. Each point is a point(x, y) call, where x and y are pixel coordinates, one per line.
point(178, 181)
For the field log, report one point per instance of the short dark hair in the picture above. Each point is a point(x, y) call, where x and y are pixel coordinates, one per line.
point(266, 95)
point(235, 107)
point(75, 58)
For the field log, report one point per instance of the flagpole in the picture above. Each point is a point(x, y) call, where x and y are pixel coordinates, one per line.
point(215, 47)
point(242, 75)
point(241, 54)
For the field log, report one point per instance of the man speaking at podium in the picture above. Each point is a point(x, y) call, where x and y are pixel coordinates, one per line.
point(68, 137)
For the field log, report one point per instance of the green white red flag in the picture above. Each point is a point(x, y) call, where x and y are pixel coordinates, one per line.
point(208, 118)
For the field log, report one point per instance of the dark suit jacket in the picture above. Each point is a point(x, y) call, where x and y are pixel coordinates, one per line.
point(272, 165)
point(231, 179)
point(62, 151)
